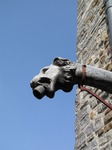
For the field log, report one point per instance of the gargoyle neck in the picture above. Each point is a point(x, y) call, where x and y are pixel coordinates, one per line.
point(95, 77)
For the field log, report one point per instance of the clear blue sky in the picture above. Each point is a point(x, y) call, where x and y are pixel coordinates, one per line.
point(32, 34)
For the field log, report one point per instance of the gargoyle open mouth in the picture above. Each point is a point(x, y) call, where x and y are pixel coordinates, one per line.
point(42, 87)
point(39, 91)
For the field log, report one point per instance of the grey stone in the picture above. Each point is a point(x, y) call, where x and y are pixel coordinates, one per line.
point(93, 102)
point(90, 129)
point(90, 137)
point(98, 123)
point(101, 108)
point(94, 143)
point(106, 147)
point(64, 73)
point(92, 38)
point(103, 140)
point(96, 148)
point(80, 141)
point(84, 122)
point(109, 135)
point(111, 144)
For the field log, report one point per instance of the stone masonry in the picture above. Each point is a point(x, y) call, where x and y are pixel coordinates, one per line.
point(93, 125)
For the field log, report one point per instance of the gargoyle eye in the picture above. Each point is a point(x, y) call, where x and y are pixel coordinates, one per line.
point(44, 70)
point(44, 80)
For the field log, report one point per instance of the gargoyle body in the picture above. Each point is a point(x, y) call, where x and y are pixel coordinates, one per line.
point(64, 74)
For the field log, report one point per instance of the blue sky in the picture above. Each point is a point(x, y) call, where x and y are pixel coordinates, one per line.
point(32, 34)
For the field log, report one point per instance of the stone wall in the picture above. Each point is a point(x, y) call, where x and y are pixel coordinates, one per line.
point(93, 125)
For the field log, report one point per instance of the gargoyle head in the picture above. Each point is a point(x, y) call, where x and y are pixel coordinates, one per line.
point(59, 75)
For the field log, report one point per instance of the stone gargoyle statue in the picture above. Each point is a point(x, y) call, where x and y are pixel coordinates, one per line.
point(64, 74)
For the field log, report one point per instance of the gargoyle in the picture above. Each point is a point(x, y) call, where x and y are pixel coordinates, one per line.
point(64, 74)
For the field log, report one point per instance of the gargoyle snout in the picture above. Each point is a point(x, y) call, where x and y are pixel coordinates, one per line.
point(32, 84)
point(38, 91)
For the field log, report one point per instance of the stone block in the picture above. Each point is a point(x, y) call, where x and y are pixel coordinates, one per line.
point(102, 59)
point(96, 148)
point(103, 140)
point(85, 93)
point(93, 102)
point(108, 126)
point(109, 135)
point(77, 104)
point(92, 115)
point(102, 10)
point(107, 111)
point(90, 129)
point(84, 111)
point(94, 143)
point(101, 131)
point(90, 137)
point(105, 95)
point(108, 117)
point(108, 66)
point(96, 60)
point(101, 108)
point(98, 124)
point(101, 53)
point(106, 147)
point(84, 100)
point(84, 122)
point(104, 35)
point(95, 2)
point(111, 144)
point(89, 61)
point(80, 141)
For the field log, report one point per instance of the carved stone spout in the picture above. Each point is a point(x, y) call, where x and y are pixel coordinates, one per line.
point(64, 73)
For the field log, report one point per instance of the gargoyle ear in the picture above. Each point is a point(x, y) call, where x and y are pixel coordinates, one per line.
point(55, 60)
point(61, 61)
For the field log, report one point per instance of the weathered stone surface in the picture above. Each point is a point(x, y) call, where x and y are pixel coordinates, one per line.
point(90, 129)
point(103, 140)
point(101, 108)
point(92, 115)
point(77, 103)
point(80, 141)
point(109, 135)
point(108, 126)
point(96, 148)
point(93, 102)
point(104, 95)
point(84, 99)
point(108, 66)
point(101, 131)
point(90, 137)
point(107, 111)
point(93, 48)
point(108, 117)
point(94, 143)
point(111, 144)
point(98, 124)
point(106, 147)
point(84, 122)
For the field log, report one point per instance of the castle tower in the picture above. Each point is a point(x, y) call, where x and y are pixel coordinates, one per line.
point(93, 125)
